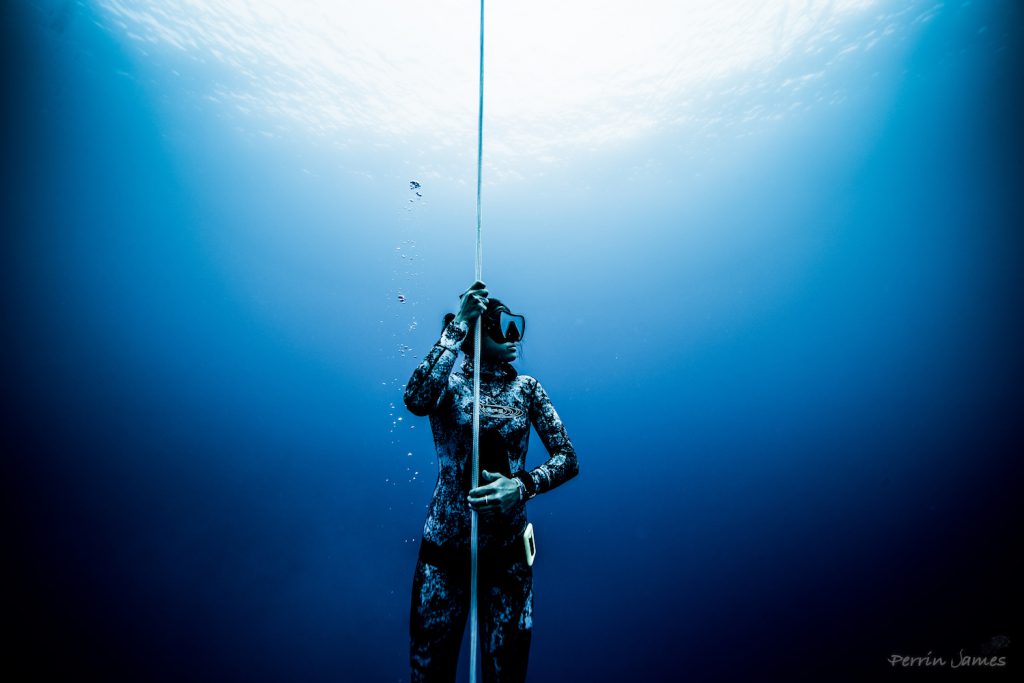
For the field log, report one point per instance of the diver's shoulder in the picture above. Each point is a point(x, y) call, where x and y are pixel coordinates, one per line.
point(529, 382)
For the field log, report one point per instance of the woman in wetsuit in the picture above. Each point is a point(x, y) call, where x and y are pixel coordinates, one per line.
point(509, 404)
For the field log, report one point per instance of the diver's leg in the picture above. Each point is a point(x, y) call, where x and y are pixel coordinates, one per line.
point(437, 618)
point(507, 623)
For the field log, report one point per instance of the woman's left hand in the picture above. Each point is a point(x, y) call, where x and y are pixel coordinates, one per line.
point(500, 495)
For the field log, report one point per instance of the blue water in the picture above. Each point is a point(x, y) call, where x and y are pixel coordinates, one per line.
point(787, 353)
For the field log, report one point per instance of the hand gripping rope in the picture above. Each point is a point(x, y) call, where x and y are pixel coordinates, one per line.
point(475, 476)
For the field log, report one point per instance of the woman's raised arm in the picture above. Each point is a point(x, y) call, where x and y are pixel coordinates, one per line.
point(429, 380)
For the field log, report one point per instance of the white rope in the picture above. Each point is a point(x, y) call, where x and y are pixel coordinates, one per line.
point(475, 476)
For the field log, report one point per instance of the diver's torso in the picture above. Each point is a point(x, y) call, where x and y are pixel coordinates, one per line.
point(504, 439)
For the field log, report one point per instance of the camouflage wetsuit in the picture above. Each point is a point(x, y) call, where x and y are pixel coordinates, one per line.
point(510, 402)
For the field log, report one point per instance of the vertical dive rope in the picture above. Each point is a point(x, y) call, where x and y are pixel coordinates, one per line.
point(475, 476)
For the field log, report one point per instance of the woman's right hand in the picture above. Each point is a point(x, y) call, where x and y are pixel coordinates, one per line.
point(474, 302)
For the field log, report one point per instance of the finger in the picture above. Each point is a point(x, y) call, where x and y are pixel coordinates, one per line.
point(484, 489)
point(481, 491)
point(475, 304)
point(483, 506)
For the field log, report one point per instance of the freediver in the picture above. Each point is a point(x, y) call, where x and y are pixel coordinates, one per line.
point(509, 403)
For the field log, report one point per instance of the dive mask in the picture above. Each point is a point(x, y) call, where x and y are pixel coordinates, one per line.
point(506, 327)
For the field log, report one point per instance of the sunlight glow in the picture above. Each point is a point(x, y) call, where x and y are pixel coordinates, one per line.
point(559, 74)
